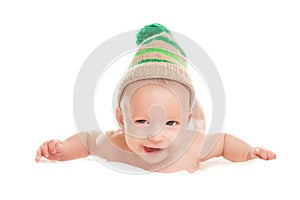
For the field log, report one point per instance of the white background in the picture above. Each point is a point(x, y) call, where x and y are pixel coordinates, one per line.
point(255, 46)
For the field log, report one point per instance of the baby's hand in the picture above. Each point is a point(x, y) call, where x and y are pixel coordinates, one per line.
point(262, 153)
point(52, 150)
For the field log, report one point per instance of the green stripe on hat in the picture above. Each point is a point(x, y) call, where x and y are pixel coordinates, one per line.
point(175, 57)
point(150, 60)
point(167, 40)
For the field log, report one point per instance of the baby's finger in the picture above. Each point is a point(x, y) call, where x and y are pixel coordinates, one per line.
point(52, 146)
point(271, 155)
point(59, 147)
point(38, 155)
point(44, 149)
point(261, 153)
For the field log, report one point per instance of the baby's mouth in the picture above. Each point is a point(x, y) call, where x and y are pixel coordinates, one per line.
point(152, 149)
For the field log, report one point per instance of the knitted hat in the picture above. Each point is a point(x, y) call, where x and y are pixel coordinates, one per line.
point(158, 57)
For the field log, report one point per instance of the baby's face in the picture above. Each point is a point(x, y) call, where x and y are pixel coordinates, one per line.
point(139, 106)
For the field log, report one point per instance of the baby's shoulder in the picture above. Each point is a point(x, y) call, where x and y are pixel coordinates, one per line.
point(117, 138)
point(199, 135)
point(114, 135)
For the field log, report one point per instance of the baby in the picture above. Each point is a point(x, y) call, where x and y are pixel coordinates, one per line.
point(161, 124)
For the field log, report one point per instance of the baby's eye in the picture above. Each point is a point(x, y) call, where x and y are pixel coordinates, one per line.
point(141, 121)
point(171, 123)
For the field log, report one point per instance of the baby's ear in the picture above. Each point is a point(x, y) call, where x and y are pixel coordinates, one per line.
point(198, 114)
point(119, 117)
point(190, 116)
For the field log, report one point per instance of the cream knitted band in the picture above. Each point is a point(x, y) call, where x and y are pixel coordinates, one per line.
point(158, 57)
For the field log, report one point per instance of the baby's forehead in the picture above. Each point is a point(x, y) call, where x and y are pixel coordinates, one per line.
point(154, 85)
point(180, 92)
point(152, 90)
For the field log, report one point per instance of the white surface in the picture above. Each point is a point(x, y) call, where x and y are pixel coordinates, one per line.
point(254, 45)
point(87, 178)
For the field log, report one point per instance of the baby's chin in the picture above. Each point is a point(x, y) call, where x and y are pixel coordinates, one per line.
point(154, 156)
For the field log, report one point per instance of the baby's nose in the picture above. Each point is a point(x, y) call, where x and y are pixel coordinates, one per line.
point(160, 137)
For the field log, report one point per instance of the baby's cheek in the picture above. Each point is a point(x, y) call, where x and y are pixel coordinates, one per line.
point(133, 143)
point(172, 133)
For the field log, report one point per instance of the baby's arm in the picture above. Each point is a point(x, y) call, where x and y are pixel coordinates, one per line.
point(236, 150)
point(69, 149)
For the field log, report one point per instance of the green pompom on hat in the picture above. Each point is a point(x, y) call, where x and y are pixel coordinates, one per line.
point(158, 57)
point(150, 30)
